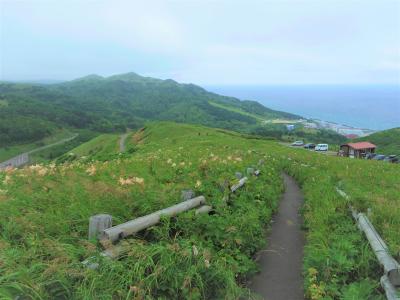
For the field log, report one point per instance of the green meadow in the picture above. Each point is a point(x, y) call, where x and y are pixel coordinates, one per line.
point(44, 212)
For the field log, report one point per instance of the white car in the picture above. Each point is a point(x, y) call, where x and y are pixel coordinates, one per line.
point(298, 143)
point(322, 147)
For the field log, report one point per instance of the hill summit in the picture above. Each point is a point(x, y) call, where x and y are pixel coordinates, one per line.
point(105, 104)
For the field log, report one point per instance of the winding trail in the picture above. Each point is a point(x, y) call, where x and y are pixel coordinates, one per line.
point(281, 263)
point(122, 141)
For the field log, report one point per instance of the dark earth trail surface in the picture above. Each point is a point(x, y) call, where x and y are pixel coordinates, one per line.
point(281, 263)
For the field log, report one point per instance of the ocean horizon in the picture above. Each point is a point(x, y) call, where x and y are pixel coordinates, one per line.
point(375, 107)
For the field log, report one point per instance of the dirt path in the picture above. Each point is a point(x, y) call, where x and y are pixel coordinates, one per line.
point(122, 142)
point(281, 263)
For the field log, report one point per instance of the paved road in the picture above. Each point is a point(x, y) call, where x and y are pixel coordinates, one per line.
point(23, 159)
point(281, 263)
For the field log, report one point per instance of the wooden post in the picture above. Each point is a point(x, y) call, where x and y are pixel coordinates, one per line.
point(97, 224)
point(239, 184)
point(115, 233)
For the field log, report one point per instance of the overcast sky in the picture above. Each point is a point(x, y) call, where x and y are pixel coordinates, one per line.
point(204, 42)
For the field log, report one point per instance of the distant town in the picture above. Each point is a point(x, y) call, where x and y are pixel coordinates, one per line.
point(345, 130)
point(348, 131)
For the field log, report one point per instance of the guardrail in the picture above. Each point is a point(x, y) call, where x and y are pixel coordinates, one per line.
point(390, 280)
point(100, 226)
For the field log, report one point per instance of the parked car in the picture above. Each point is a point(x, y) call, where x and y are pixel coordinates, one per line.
point(322, 147)
point(391, 159)
point(298, 143)
point(309, 146)
point(379, 157)
point(370, 155)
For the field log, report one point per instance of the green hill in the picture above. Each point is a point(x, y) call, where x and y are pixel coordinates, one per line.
point(44, 212)
point(387, 141)
point(31, 112)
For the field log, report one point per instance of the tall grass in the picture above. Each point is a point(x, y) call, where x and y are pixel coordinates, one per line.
point(44, 213)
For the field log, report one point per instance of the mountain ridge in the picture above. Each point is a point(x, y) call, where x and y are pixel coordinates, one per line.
point(113, 103)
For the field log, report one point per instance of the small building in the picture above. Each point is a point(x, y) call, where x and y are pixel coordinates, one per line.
point(356, 150)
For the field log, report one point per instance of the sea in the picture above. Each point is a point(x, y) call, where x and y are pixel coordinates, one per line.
point(375, 107)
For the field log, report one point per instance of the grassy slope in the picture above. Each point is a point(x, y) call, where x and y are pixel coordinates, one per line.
point(104, 144)
point(44, 216)
point(44, 219)
point(237, 110)
point(388, 141)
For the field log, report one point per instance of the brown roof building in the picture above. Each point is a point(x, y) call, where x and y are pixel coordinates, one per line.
point(357, 150)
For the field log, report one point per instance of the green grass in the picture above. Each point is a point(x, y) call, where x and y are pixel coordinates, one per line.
point(3, 103)
point(237, 110)
point(58, 151)
point(44, 215)
point(101, 146)
point(9, 152)
point(338, 262)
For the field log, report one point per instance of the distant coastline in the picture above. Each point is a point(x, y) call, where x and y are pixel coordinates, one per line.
point(346, 130)
point(364, 108)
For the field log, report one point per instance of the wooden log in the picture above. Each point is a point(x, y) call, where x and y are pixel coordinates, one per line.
point(97, 224)
point(203, 209)
point(115, 233)
point(390, 265)
point(342, 193)
point(239, 184)
point(390, 290)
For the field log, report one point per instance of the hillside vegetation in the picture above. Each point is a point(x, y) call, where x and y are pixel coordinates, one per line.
point(31, 112)
point(44, 211)
point(388, 141)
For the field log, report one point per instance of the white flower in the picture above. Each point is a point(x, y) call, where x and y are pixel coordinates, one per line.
point(91, 170)
point(207, 263)
point(131, 180)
